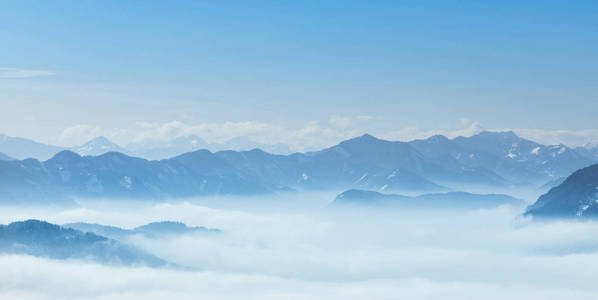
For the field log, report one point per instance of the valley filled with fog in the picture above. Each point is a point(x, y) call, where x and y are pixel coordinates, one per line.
point(303, 246)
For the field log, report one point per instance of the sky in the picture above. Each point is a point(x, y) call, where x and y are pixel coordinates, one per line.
point(305, 73)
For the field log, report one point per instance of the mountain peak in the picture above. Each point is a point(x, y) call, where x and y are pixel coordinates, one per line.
point(33, 223)
point(362, 141)
point(97, 146)
point(437, 138)
point(366, 138)
point(65, 155)
point(101, 141)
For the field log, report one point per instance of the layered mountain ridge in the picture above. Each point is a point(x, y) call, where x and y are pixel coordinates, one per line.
point(436, 164)
point(151, 230)
point(43, 239)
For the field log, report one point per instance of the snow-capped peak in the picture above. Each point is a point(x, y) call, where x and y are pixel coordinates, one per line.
point(97, 146)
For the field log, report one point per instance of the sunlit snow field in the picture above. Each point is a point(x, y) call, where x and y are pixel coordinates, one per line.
point(300, 248)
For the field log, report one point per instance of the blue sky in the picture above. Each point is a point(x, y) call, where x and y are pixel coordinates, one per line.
point(336, 68)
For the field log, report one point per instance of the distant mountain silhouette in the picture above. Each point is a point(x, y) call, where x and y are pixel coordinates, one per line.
point(590, 151)
point(169, 228)
point(155, 229)
point(451, 200)
point(168, 149)
point(576, 197)
point(5, 157)
point(39, 238)
point(21, 148)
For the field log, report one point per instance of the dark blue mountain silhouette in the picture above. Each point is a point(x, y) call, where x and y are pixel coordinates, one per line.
point(451, 200)
point(39, 238)
point(576, 197)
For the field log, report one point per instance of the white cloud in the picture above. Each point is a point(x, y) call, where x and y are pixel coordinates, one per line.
point(572, 138)
point(312, 135)
point(217, 132)
point(30, 278)
point(287, 254)
point(79, 134)
point(340, 122)
point(465, 128)
point(344, 122)
point(365, 117)
point(14, 73)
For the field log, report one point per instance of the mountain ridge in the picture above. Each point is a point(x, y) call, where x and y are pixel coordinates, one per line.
point(5, 157)
point(43, 239)
point(435, 164)
point(450, 200)
point(153, 229)
point(575, 197)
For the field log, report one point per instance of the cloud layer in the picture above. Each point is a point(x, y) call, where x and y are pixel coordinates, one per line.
point(308, 252)
point(29, 278)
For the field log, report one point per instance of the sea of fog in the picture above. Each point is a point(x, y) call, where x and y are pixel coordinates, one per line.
point(299, 247)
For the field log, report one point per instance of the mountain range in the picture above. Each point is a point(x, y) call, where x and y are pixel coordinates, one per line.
point(435, 164)
point(43, 239)
point(20, 148)
point(177, 146)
